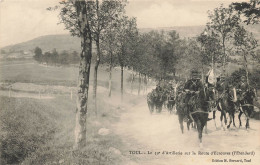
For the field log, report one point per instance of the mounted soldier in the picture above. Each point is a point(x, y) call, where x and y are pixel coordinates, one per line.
point(194, 84)
point(247, 94)
point(243, 86)
point(191, 88)
point(195, 98)
point(170, 101)
point(221, 85)
point(226, 101)
point(158, 88)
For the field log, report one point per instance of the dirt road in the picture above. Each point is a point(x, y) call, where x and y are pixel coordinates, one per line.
point(152, 136)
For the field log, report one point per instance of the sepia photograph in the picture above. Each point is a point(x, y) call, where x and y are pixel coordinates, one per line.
point(129, 82)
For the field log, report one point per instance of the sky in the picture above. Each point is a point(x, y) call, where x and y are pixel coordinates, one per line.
point(23, 20)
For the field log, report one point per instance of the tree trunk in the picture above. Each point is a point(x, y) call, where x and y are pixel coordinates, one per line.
point(247, 79)
point(84, 71)
point(145, 84)
point(224, 55)
point(122, 82)
point(110, 75)
point(139, 86)
point(96, 74)
point(203, 76)
point(132, 80)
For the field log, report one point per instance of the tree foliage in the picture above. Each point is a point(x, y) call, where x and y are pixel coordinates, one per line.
point(251, 10)
point(223, 22)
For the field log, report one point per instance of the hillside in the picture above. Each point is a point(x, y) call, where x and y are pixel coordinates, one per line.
point(67, 42)
point(47, 43)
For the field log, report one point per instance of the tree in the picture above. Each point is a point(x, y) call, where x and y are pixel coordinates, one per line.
point(55, 56)
point(251, 10)
point(75, 16)
point(109, 50)
point(245, 45)
point(74, 57)
point(223, 22)
point(63, 57)
point(126, 36)
point(191, 58)
point(104, 12)
point(171, 52)
point(38, 54)
point(47, 57)
point(210, 48)
point(100, 14)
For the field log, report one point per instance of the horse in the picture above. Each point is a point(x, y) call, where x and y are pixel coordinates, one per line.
point(182, 111)
point(150, 102)
point(199, 110)
point(155, 101)
point(246, 104)
point(170, 101)
point(213, 102)
point(158, 100)
point(227, 104)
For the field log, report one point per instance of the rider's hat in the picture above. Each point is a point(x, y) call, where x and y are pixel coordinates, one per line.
point(243, 77)
point(195, 74)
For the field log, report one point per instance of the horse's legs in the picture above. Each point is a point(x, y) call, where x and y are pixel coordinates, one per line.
point(188, 123)
point(152, 108)
point(180, 116)
point(160, 107)
point(206, 128)
point(233, 115)
point(239, 117)
point(199, 127)
point(225, 116)
point(221, 119)
point(171, 107)
point(247, 119)
point(230, 119)
point(214, 116)
point(195, 125)
point(157, 107)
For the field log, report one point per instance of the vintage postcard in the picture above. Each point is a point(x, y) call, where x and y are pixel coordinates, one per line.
point(130, 82)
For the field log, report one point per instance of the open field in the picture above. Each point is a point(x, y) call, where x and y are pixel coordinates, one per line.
point(30, 71)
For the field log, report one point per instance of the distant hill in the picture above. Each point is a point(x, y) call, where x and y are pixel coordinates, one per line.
point(48, 43)
point(67, 42)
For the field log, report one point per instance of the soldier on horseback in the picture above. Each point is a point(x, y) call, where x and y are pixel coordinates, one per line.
point(191, 88)
point(193, 85)
point(195, 99)
point(221, 85)
point(247, 94)
point(243, 86)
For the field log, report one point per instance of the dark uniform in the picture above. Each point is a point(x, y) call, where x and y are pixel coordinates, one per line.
point(221, 86)
point(242, 88)
point(191, 87)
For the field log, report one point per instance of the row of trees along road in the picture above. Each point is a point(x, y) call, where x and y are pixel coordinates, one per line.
point(161, 55)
